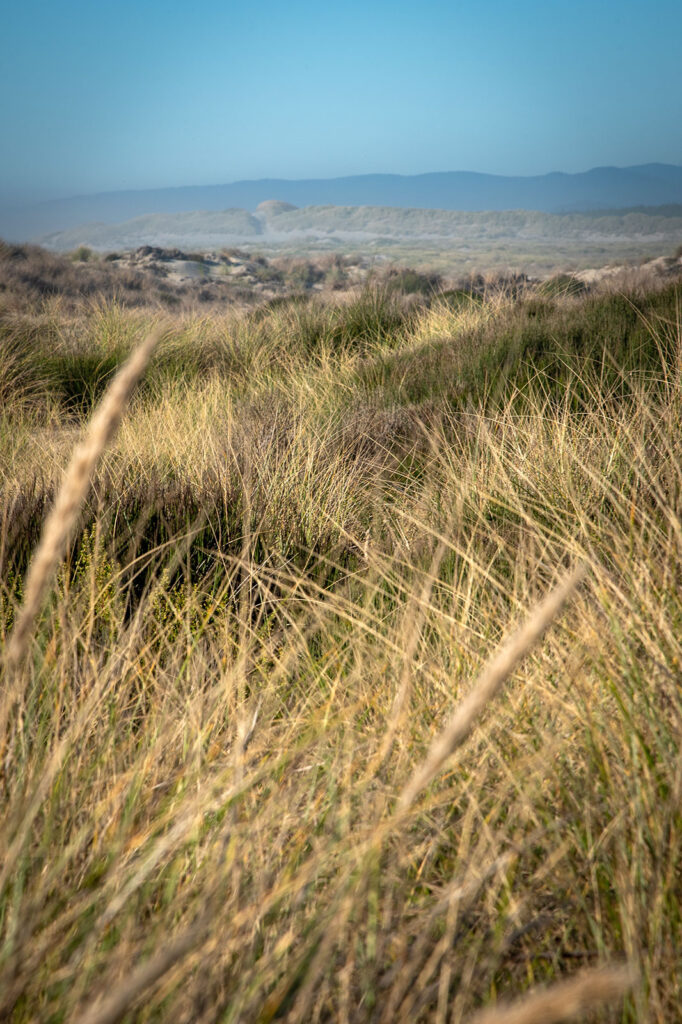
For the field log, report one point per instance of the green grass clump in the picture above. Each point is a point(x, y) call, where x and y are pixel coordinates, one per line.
point(316, 524)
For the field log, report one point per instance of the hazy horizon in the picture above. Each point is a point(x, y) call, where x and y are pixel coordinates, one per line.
point(332, 177)
point(130, 97)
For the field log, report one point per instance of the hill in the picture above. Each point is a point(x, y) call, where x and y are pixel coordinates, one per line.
point(598, 188)
point(534, 241)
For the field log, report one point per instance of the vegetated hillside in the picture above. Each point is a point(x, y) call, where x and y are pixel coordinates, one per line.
point(198, 227)
point(598, 188)
point(280, 219)
point(232, 787)
point(407, 223)
point(525, 240)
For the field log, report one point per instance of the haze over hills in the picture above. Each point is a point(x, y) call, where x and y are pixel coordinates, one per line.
point(467, 240)
point(601, 188)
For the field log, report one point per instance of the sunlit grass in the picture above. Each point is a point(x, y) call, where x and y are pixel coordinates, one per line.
point(312, 531)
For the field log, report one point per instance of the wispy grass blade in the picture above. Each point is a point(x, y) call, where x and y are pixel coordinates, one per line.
point(486, 686)
point(566, 1000)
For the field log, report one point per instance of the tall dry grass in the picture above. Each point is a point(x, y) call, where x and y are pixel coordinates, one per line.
point(62, 519)
point(233, 791)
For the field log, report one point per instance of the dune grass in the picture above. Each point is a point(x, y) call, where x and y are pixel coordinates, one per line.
point(263, 757)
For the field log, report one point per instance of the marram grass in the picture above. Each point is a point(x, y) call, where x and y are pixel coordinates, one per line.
point(259, 763)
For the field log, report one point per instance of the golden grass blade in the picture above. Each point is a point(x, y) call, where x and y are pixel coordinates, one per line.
point(486, 686)
point(111, 1009)
point(61, 520)
point(566, 999)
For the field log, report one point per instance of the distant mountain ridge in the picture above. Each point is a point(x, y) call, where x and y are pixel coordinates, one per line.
point(602, 188)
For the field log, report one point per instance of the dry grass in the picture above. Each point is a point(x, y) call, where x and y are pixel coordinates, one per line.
point(62, 519)
point(565, 1001)
point(231, 790)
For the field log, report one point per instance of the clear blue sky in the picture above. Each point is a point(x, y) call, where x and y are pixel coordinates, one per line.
point(115, 94)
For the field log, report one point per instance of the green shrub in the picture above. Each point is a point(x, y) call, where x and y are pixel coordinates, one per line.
point(82, 254)
point(413, 282)
point(562, 284)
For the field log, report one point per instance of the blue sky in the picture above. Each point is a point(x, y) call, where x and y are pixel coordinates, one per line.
point(103, 95)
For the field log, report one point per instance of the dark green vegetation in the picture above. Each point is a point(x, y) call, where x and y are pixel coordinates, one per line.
point(317, 521)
